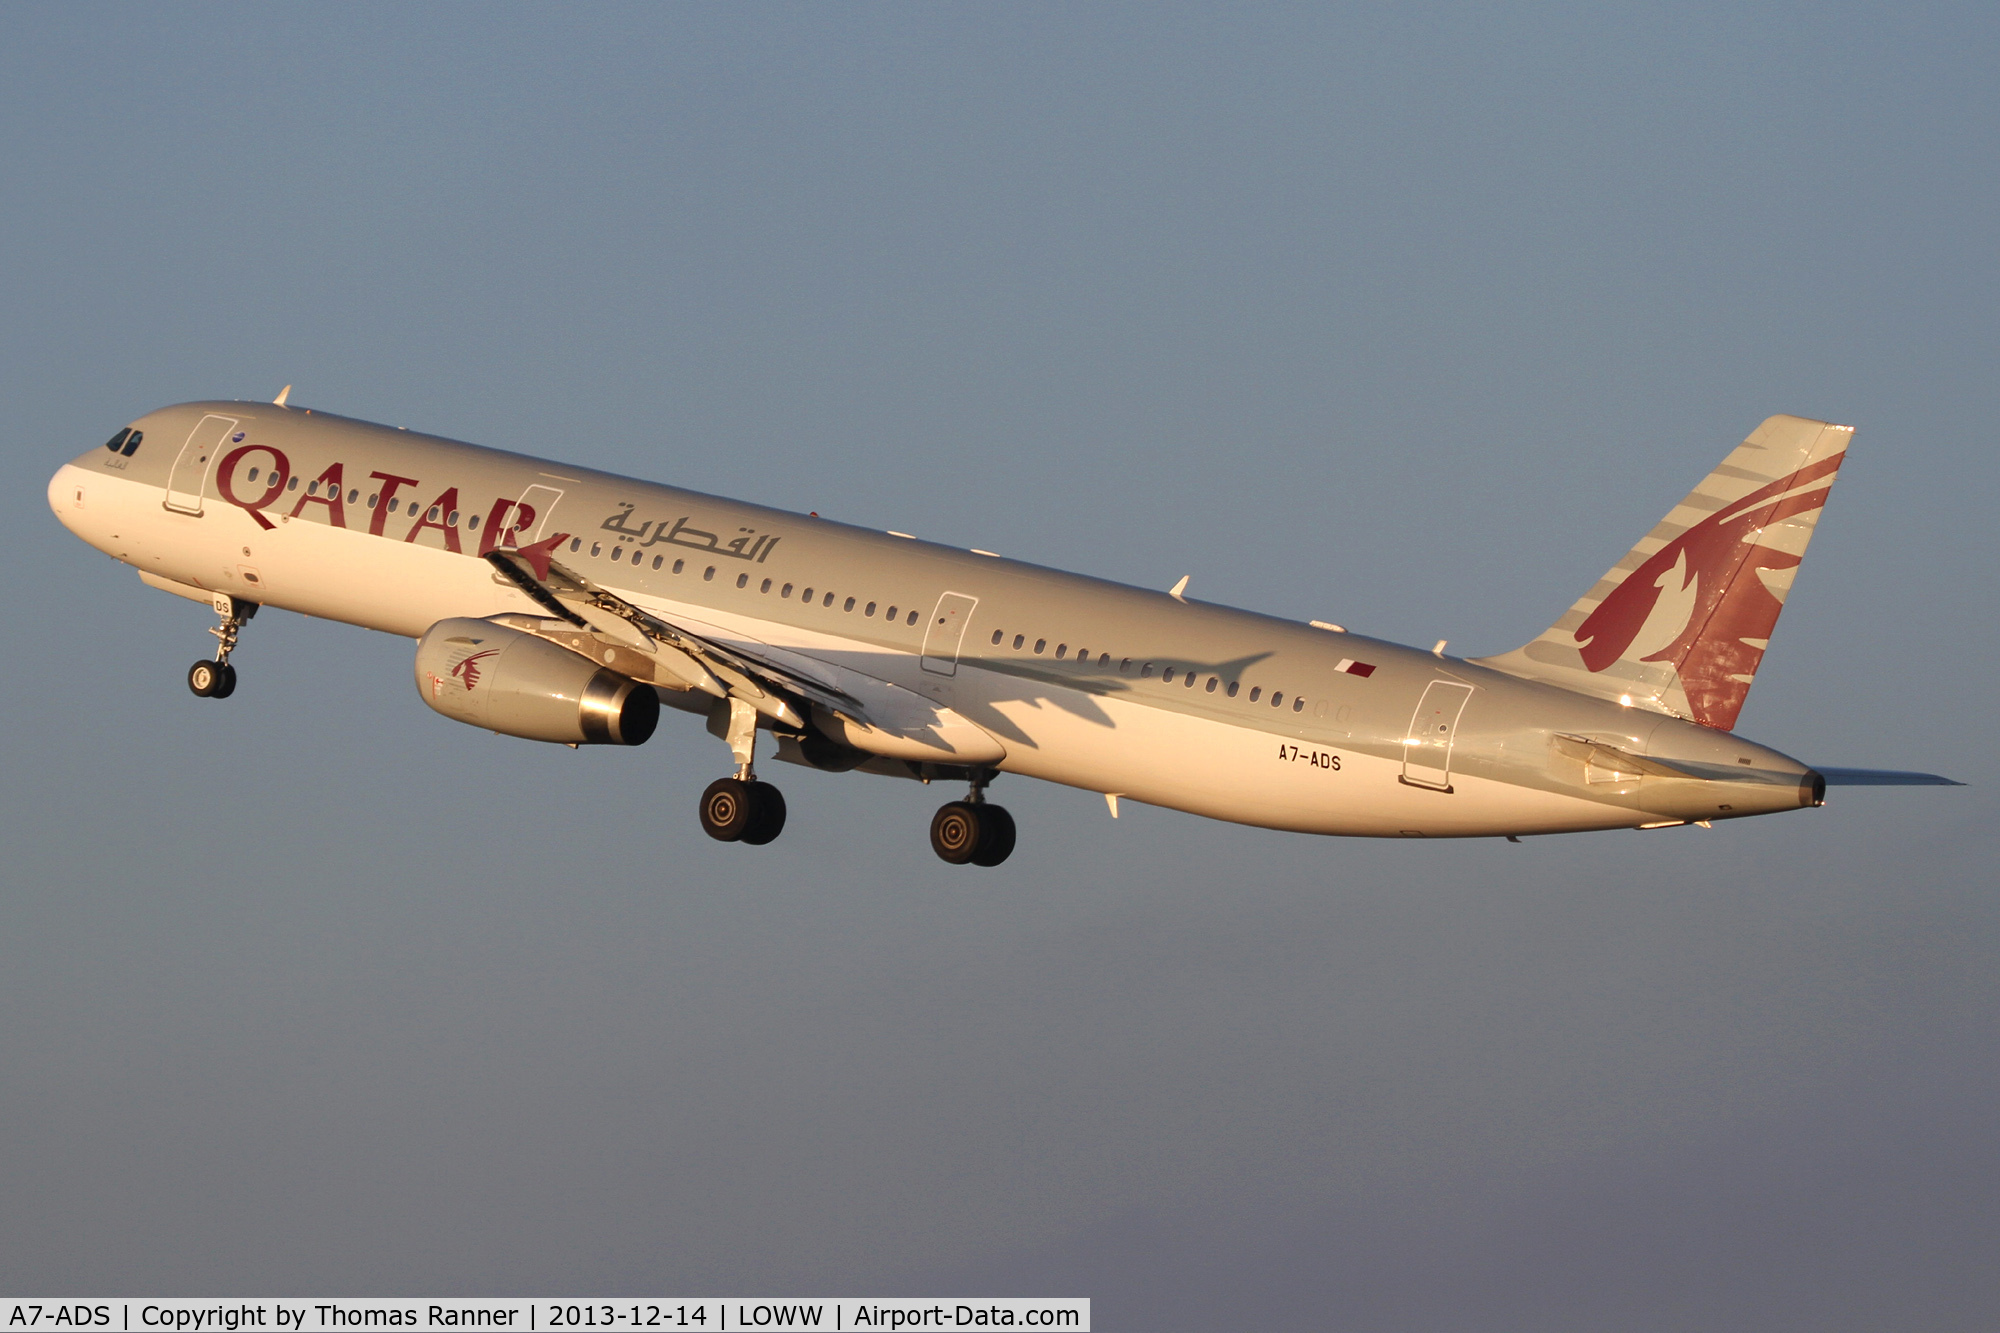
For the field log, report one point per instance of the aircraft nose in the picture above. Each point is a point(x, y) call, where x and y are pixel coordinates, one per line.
point(68, 493)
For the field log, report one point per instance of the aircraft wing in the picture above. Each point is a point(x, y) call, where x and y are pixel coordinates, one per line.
point(1882, 777)
point(769, 684)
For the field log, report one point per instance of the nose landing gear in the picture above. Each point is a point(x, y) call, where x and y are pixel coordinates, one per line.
point(742, 809)
point(217, 679)
point(972, 831)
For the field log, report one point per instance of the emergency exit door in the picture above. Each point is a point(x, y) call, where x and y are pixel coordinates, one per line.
point(947, 628)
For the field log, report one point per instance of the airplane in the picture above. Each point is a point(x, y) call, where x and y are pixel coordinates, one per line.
point(566, 605)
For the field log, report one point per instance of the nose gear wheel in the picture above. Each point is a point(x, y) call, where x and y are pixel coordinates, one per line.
point(212, 680)
point(217, 679)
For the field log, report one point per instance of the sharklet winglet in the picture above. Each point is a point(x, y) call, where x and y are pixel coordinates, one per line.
point(539, 555)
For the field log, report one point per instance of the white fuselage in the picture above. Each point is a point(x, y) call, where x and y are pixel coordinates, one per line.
point(1331, 757)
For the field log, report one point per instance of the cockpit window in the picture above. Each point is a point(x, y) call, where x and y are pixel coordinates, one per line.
point(132, 438)
point(117, 442)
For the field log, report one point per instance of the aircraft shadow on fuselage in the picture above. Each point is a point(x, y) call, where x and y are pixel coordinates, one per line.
point(1072, 696)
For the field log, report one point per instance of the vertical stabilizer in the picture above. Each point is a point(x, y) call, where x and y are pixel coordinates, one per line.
point(1680, 624)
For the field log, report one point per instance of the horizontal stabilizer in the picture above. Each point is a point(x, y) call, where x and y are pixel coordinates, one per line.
point(1882, 777)
point(1680, 624)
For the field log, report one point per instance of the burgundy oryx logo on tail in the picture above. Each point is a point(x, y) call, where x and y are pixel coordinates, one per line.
point(1712, 622)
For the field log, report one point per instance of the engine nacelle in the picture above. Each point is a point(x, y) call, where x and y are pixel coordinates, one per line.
point(503, 680)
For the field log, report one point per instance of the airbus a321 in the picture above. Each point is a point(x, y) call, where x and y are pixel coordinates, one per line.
point(564, 605)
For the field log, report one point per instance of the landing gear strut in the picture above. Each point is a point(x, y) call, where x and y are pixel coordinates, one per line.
point(973, 831)
point(742, 809)
point(217, 679)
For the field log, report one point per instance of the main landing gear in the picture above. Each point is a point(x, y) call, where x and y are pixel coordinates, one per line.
point(972, 831)
point(217, 679)
point(742, 809)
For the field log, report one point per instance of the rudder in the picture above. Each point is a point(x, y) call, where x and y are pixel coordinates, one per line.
point(1680, 625)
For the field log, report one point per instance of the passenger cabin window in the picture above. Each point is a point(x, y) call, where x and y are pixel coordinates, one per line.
point(1298, 705)
point(1020, 639)
point(679, 565)
point(659, 560)
point(913, 617)
point(849, 606)
point(1256, 693)
point(869, 610)
point(1232, 689)
point(828, 601)
point(892, 613)
point(996, 637)
point(1041, 644)
point(742, 580)
point(1167, 675)
point(708, 575)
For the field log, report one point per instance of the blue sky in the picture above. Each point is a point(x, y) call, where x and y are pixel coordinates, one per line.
point(1410, 318)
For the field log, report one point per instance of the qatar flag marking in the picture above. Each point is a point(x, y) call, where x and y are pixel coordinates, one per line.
point(1354, 668)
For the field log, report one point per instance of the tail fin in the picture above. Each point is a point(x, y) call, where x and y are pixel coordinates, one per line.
point(1680, 624)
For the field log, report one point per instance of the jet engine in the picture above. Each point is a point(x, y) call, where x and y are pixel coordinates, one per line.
point(503, 680)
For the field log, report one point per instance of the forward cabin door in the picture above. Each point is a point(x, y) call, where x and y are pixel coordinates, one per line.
point(184, 483)
point(1427, 746)
point(947, 627)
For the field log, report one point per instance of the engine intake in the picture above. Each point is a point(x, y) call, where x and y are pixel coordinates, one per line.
point(487, 675)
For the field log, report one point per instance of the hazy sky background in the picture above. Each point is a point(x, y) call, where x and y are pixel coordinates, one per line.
point(1411, 318)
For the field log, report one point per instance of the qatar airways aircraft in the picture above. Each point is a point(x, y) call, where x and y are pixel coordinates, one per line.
point(560, 604)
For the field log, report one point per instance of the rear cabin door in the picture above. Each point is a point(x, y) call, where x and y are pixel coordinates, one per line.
point(190, 471)
point(1427, 746)
point(947, 627)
